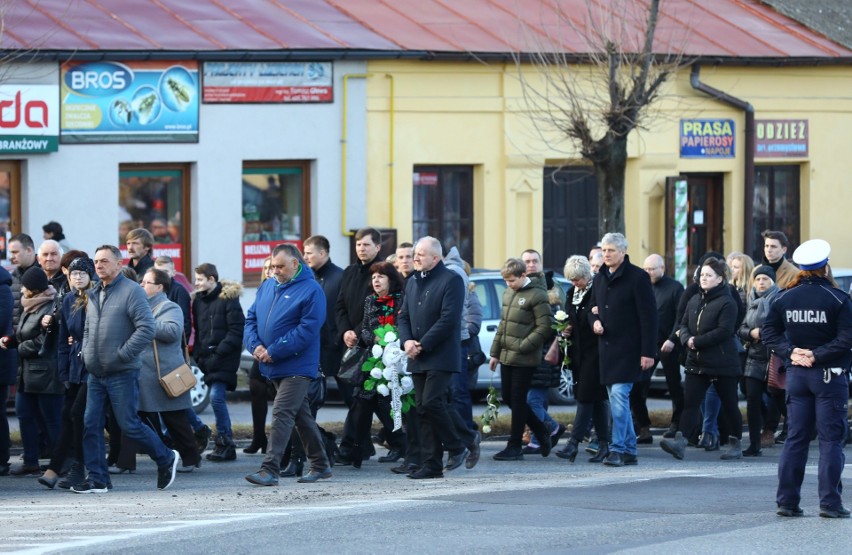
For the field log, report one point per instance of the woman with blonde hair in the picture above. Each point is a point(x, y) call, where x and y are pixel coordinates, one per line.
point(741, 266)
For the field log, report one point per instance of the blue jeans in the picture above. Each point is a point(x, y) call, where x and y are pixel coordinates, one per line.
point(121, 391)
point(461, 393)
point(220, 409)
point(623, 434)
point(710, 408)
point(194, 422)
point(31, 407)
point(537, 401)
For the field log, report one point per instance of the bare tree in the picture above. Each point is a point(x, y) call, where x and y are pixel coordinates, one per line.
point(598, 79)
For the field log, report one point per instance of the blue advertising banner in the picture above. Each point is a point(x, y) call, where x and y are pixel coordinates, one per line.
point(707, 138)
point(129, 102)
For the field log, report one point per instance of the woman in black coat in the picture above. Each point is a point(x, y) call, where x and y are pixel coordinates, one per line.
point(591, 396)
point(380, 309)
point(706, 332)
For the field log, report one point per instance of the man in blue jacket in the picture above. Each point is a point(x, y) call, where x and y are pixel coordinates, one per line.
point(282, 332)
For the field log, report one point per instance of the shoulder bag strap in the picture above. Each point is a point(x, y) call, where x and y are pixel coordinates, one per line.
point(185, 346)
point(157, 360)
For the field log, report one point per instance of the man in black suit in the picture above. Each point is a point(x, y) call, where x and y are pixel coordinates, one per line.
point(430, 331)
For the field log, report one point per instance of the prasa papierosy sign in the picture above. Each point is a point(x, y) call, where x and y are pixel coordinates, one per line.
point(707, 138)
point(129, 102)
point(29, 119)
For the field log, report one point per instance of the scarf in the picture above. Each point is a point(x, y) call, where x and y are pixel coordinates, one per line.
point(33, 303)
point(579, 294)
point(387, 308)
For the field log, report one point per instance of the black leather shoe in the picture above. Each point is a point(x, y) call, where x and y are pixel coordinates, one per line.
point(425, 474)
point(630, 460)
point(475, 452)
point(405, 468)
point(840, 512)
point(789, 511)
point(314, 476)
point(614, 459)
point(392, 456)
point(455, 461)
point(570, 450)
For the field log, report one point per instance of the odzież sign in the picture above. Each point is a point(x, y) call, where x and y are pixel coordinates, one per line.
point(707, 138)
point(781, 138)
point(29, 119)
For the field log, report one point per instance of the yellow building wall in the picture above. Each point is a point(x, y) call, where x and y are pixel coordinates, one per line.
point(476, 114)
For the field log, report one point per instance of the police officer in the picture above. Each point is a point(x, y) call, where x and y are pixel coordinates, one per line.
point(810, 326)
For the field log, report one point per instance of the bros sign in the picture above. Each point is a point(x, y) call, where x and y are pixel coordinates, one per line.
point(29, 119)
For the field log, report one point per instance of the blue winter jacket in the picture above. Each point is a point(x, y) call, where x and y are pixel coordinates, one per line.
point(286, 318)
point(71, 324)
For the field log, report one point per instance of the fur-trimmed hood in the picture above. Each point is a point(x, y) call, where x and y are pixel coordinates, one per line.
point(226, 289)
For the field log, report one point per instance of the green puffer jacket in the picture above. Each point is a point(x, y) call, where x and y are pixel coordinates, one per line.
point(524, 326)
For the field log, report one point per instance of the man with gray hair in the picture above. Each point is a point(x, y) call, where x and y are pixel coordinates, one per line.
point(626, 325)
point(49, 257)
point(429, 328)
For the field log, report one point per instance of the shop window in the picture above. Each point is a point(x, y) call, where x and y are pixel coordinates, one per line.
point(776, 205)
point(276, 209)
point(10, 204)
point(443, 206)
point(154, 197)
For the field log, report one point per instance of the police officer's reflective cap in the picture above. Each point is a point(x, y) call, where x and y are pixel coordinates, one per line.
point(812, 255)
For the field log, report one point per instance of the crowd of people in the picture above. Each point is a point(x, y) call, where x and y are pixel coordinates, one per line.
point(87, 339)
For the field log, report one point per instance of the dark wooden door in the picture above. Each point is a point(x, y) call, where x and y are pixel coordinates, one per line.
point(570, 214)
point(704, 221)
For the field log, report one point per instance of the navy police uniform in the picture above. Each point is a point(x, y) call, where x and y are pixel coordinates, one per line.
point(815, 316)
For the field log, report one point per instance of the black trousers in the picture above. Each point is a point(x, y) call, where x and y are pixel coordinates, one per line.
point(598, 412)
point(694, 389)
point(639, 400)
point(671, 368)
point(70, 441)
point(437, 430)
point(362, 414)
point(515, 384)
point(180, 432)
point(754, 402)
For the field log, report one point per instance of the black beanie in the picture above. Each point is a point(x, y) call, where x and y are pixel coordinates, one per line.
point(83, 264)
point(766, 270)
point(35, 280)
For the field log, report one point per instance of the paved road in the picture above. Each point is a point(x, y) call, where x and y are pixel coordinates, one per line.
point(700, 505)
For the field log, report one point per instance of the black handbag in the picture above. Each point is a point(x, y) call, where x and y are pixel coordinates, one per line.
point(350, 366)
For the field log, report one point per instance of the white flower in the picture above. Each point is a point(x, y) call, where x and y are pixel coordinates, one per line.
point(383, 390)
point(376, 373)
point(392, 355)
point(486, 429)
point(407, 383)
point(387, 374)
point(561, 315)
point(376, 351)
point(390, 337)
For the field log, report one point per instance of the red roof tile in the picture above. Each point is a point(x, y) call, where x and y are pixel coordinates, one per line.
point(716, 28)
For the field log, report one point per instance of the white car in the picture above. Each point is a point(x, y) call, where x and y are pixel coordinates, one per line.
point(489, 287)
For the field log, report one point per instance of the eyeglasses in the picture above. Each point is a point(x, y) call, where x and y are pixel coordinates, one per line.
point(76, 274)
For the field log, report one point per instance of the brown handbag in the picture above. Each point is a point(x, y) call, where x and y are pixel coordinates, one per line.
point(178, 381)
point(776, 376)
point(554, 353)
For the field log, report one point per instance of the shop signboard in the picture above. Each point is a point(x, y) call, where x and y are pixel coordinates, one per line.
point(707, 138)
point(255, 252)
point(29, 119)
point(129, 102)
point(781, 138)
point(267, 82)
